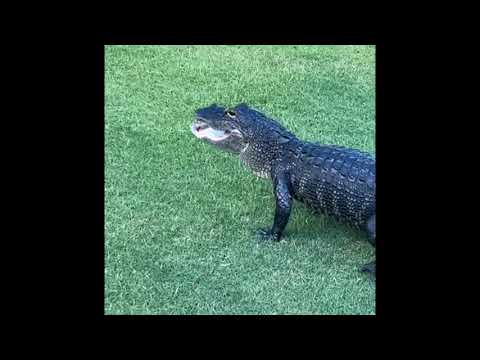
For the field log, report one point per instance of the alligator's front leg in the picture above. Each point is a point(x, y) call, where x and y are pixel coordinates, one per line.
point(283, 208)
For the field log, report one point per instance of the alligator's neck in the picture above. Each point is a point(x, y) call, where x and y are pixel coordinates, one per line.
point(259, 156)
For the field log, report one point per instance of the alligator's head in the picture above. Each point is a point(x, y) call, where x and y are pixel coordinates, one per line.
point(216, 125)
point(242, 130)
point(233, 128)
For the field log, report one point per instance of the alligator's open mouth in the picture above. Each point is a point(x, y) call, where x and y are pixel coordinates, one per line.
point(204, 131)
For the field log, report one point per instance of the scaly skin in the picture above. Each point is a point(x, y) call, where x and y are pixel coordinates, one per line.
point(330, 179)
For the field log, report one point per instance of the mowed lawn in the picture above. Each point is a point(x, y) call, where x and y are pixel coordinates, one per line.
point(180, 216)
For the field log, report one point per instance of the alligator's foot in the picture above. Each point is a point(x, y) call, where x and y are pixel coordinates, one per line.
point(369, 268)
point(266, 234)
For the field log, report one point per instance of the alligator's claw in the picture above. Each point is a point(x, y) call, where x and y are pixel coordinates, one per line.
point(266, 234)
point(369, 268)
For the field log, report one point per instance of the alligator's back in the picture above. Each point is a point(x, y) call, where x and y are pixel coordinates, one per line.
point(336, 180)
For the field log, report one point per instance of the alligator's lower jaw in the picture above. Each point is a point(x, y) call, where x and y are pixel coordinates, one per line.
point(203, 131)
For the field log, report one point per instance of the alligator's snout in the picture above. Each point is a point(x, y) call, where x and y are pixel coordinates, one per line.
point(198, 125)
point(204, 131)
point(212, 125)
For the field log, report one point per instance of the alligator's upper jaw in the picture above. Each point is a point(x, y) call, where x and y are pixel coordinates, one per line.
point(203, 131)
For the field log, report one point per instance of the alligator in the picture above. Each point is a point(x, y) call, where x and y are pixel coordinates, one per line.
point(331, 179)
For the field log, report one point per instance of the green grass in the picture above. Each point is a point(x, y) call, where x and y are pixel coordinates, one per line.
point(180, 215)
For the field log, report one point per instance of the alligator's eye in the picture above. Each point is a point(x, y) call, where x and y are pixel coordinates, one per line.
point(231, 113)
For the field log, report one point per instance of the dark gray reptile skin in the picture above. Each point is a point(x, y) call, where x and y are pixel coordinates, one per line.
point(330, 179)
